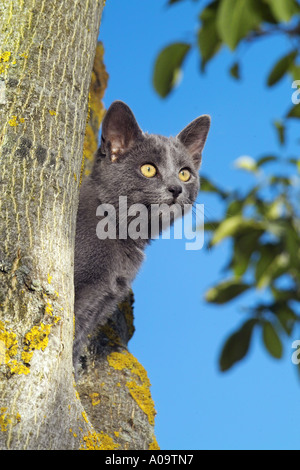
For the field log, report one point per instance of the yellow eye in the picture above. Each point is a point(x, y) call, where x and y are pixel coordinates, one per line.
point(148, 170)
point(184, 175)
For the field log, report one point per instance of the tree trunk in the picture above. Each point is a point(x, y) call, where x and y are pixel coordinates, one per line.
point(46, 59)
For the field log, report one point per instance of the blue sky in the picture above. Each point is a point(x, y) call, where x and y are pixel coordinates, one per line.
point(178, 337)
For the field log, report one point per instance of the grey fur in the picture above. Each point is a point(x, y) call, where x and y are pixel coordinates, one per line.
point(105, 269)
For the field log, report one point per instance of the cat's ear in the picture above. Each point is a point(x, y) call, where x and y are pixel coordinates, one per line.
point(119, 130)
point(193, 137)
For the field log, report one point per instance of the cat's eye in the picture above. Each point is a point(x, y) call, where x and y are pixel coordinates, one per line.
point(148, 170)
point(184, 175)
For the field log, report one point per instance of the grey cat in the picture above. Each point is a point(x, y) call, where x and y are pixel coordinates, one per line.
point(147, 169)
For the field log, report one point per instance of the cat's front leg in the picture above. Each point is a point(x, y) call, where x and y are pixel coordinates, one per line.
point(93, 307)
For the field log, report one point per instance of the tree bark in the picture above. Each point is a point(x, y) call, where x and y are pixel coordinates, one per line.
point(114, 387)
point(46, 59)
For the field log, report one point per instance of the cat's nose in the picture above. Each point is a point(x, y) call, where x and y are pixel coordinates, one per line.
point(175, 190)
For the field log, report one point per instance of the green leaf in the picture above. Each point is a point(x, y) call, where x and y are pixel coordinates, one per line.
point(283, 312)
point(271, 340)
point(266, 13)
point(237, 345)
point(235, 71)
point(284, 180)
point(280, 131)
point(294, 112)
point(167, 67)
point(209, 41)
point(267, 254)
point(228, 227)
point(235, 207)
point(281, 68)
point(271, 264)
point(236, 18)
point(294, 161)
point(244, 246)
point(266, 159)
point(270, 210)
point(292, 245)
point(211, 225)
point(285, 295)
point(225, 291)
point(295, 71)
point(283, 10)
point(233, 226)
point(207, 186)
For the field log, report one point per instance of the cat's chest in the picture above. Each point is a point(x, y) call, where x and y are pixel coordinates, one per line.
point(125, 258)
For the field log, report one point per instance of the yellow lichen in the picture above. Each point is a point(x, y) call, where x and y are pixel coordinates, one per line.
point(139, 386)
point(4, 61)
point(5, 56)
point(95, 398)
point(84, 415)
point(15, 121)
point(49, 311)
point(36, 338)
point(98, 441)
point(52, 112)
point(18, 368)
point(154, 445)
point(74, 433)
point(4, 419)
point(9, 349)
point(7, 419)
point(142, 396)
point(48, 308)
point(9, 343)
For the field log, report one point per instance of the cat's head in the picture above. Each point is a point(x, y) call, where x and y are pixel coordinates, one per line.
point(148, 168)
